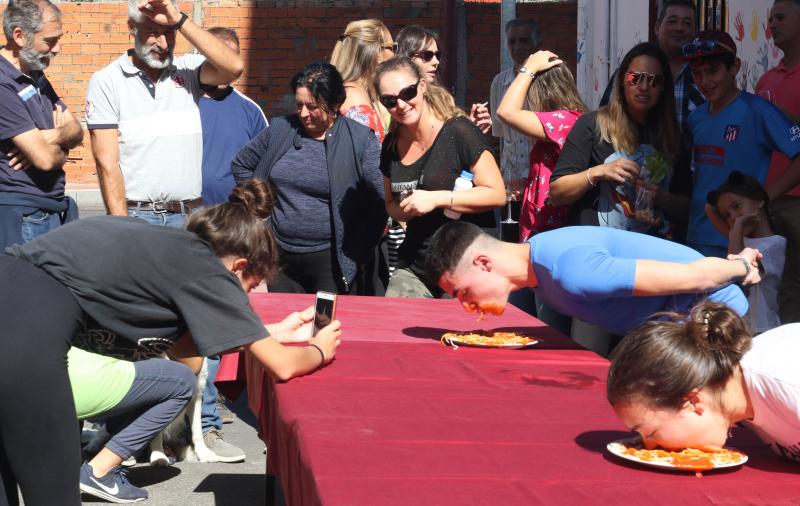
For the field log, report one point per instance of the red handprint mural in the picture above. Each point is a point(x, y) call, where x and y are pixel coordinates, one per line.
point(739, 25)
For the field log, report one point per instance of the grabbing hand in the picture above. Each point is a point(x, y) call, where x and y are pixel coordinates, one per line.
point(479, 114)
point(328, 340)
point(541, 61)
point(17, 160)
point(620, 171)
point(753, 257)
point(419, 203)
point(295, 328)
point(161, 12)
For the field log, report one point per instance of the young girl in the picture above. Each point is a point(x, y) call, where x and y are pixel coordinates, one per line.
point(555, 105)
point(738, 209)
point(684, 381)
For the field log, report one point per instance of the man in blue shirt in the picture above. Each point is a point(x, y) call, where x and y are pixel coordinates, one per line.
point(733, 130)
point(607, 277)
point(36, 129)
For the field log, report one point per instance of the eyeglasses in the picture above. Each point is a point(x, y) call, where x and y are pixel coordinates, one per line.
point(391, 47)
point(426, 55)
point(406, 94)
point(699, 47)
point(633, 78)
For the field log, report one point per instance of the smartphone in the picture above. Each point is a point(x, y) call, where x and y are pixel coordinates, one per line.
point(324, 310)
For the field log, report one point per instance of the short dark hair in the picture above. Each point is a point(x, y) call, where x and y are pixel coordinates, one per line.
point(224, 33)
point(536, 34)
point(325, 84)
point(662, 12)
point(741, 185)
point(448, 246)
point(795, 2)
point(661, 361)
point(727, 59)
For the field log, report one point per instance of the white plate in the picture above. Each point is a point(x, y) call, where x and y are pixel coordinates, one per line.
point(618, 448)
point(455, 343)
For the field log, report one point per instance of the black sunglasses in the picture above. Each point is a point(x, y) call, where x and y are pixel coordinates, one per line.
point(427, 55)
point(633, 78)
point(406, 94)
point(705, 47)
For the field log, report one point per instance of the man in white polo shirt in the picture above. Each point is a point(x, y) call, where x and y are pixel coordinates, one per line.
point(143, 116)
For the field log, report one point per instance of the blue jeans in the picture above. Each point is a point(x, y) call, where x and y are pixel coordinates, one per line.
point(208, 413)
point(39, 223)
point(162, 218)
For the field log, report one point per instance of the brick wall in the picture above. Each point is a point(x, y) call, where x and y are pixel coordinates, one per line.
point(278, 37)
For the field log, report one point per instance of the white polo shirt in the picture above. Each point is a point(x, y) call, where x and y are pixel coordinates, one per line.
point(160, 135)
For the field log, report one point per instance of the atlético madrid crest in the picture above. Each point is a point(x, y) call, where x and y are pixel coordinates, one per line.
point(731, 133)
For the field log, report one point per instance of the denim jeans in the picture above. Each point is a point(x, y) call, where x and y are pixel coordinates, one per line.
point(39, 223)
point(208, 413)
point(162, 218)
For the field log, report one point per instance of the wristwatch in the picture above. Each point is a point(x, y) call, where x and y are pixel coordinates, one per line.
point(177, 26)
point(524, 70)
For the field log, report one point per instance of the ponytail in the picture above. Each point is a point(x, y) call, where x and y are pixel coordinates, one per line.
point(661, 361)
point(238, 227)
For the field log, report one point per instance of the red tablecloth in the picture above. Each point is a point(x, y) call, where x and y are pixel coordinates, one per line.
point(401, 419)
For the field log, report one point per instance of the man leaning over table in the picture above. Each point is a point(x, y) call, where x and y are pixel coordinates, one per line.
point(143, 116)
point(36, 128)
point(608, 277)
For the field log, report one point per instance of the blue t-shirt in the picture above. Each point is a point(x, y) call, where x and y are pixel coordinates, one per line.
point(588, 272)
point(740, 137)
point(26, 103)
point(228, 123)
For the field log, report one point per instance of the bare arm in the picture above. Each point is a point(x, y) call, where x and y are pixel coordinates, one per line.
point(786, 181)
point(105, 148)
point(35, 151)
point(568, 189)
point(511, 109)
point(392, 206)
point(67, 132)
point(704, 275)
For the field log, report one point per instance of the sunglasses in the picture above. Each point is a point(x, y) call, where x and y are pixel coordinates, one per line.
point(391, 47)
point(427, 55)
point(406, 94)
point(704, 47)
point(633, 78)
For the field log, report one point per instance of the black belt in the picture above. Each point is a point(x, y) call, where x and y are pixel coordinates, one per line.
point(168, 206)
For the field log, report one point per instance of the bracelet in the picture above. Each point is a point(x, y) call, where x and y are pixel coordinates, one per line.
point(451, 199)
point(321, 354)
point(589, 177)
point(177, 26)
point(746, 266)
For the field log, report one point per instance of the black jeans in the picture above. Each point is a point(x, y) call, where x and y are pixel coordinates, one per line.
point(39, 441)
point(308, 273)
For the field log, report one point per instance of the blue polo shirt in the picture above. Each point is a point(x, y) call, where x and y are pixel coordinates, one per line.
point(588, 272)
point(229, 123)
point(740, 137)
point(26, 103)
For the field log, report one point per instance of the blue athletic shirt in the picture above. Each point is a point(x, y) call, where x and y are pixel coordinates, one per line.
point(228, 125)
point(740, 137)
point(588, 272)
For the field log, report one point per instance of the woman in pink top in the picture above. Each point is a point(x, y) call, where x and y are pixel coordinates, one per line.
point(555, 105)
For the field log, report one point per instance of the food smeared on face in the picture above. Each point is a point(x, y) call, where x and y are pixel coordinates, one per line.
point(482, 309)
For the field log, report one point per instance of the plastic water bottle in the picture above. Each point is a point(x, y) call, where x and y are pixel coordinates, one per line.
point(463, 182)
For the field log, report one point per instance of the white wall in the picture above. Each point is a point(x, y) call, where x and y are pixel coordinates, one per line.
point(747, 24)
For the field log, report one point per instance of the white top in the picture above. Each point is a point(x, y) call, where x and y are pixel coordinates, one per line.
point(160, 135)
point(763, 297)
point(772, 376)
point(515, 158)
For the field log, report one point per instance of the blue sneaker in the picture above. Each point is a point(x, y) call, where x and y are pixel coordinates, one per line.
point(113, 487)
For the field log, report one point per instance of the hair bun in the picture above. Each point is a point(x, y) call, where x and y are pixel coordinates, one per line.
point(721, 330)
point(255, 195)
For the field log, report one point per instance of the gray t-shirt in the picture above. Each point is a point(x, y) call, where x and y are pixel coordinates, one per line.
point(302, 215)
point(142, 287)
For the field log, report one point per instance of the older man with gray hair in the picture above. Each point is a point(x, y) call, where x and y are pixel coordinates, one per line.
point(36, 129)
point(143, 116)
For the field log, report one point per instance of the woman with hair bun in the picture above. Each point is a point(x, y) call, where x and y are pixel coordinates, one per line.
point(120, 287)
point(684, 381)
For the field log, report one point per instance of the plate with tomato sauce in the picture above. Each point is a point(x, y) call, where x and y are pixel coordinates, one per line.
point(686, 459)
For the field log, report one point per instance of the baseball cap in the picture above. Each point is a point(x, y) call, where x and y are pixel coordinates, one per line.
point(709, 43)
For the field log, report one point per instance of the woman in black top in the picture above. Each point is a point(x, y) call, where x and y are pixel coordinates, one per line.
point(430, 142)
point(121, 287)
point(329, 213)
point(622, 164)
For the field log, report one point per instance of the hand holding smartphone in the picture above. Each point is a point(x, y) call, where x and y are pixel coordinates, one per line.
point(324, 310)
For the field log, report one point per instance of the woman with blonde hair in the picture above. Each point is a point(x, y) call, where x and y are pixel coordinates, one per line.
point(619, 163)
point(363, 45)
point(430, 143)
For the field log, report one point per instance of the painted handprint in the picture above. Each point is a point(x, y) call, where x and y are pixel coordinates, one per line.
point(763, 57)
point(739, 25)
point(755, 25)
